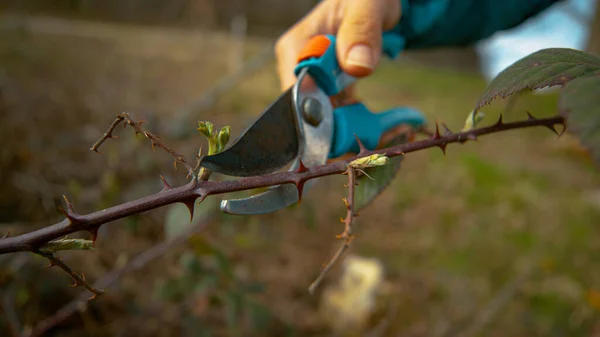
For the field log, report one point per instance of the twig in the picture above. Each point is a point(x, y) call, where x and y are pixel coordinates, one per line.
point(155, 140)
point(108, 134)
point(138, 262)
point(193, 190)
point(78, 279)
point(347, 235)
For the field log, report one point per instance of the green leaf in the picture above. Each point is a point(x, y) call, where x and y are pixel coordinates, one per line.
point(580, 103)
point(579, 74)
point(544, 68)
point(67, 244)
point(368, 189)
point(177, 218)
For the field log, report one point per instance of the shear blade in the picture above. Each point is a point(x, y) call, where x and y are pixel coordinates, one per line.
point(314, 145)
point(266, 146)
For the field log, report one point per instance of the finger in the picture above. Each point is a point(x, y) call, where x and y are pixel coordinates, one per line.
point(359, 35)
point(291, 43)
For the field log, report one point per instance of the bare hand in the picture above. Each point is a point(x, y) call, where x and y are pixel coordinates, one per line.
point(358, 26)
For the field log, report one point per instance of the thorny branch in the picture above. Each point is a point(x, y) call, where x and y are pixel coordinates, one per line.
point(155, 140)
point(189, 193)
point(136, 263)
point(79, 280)
point(347, 234)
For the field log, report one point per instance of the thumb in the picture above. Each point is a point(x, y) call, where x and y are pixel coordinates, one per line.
point(359, 37)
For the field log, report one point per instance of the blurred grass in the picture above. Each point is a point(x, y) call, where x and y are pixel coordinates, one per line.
point(451, 230)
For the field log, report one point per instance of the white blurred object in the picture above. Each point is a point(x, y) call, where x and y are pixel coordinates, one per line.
point(564, 25)
point(346, 306)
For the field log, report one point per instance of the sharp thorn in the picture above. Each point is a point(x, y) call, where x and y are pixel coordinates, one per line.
point(342, 220)
point(6, 235)
point(443, 148)
point(94, 233)
point(446, 129)
point(553, 129)
point(300, 188)
point(500, 121)
point(530, 116)
point(563, 130)
point(345, 201)
point(69, 213)
point(361, 146)
point(190, 205)
point(92, 297)
point(301, 168)
point(166, 185)
point(436, 135)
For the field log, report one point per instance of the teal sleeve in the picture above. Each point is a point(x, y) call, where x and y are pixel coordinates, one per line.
point(437, 23)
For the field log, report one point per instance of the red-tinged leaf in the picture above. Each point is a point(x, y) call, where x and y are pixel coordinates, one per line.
point(580, 104)
point(368, 189)
point(544, 68)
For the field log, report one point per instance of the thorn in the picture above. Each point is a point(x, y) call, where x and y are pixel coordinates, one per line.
point(443, 147)
point(345, 202)
point(342, 220)
point(300, 188)
point(530, 116)
point(301, 168)
point(446, 129)
point(92, 297)
point(166, 185)
point(499, 122)
point(190, 205)
point(553, 129)
point(436, 135)
point(70, 212)
point(69, 204)
point(94, 233)
point(564, 128)
point(75, 284)
point(471, 136)
point(6, 235)
point(361, 146)
point(153, 144)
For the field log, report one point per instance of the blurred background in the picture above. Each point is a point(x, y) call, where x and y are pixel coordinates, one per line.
point(500, 237)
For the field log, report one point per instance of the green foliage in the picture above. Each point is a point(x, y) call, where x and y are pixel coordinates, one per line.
point(216, 140)
point(579, 74)
point(67, 244)
point(379, 178)
point(580, 102)
point(544, 68)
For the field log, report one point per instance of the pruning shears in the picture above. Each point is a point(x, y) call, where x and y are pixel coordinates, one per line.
point(302, 125)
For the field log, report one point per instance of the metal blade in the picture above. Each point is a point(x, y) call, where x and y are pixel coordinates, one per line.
point(266, 146)
point(315, 142)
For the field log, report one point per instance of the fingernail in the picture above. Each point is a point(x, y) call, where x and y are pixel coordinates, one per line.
point(360, 55)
